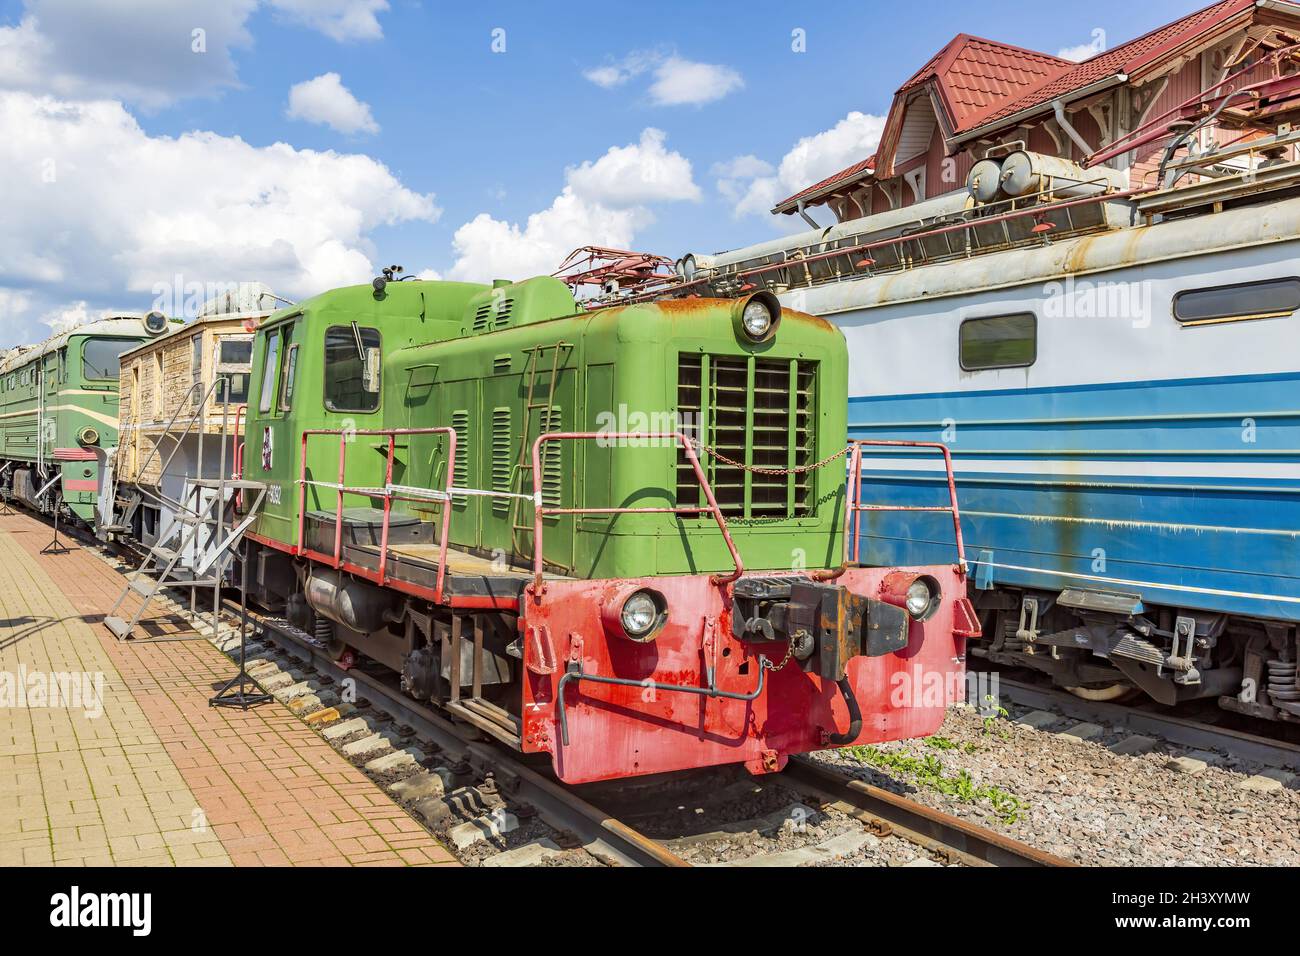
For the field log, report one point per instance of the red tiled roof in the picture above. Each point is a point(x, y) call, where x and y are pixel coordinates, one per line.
point(867, 165)
point(1127, 58)
point(974, 74)
point(981, 81)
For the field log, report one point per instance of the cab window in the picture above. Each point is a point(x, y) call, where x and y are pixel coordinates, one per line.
point(352, 369)
point(269, 368)
point(99, 358)
point(287, 379)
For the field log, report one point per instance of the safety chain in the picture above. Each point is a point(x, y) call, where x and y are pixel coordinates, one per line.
point(804, 469)
point(789, 656)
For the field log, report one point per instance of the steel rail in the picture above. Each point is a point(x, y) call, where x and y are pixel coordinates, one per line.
point(601, 834)
point(960, 840)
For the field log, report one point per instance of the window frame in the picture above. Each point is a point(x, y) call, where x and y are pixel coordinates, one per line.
point(270, 371)
point(961, 358)
point(90, 339)
point(229, 369)
point(288, 378)
point(1237, 317)
point(325, 366)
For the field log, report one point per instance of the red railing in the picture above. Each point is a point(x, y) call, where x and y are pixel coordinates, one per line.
point(856, 507)
point(541, 511)
point(389, 492)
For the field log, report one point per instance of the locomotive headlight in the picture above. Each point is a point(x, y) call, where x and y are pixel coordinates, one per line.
point(639, 615)
point(758, 317)
point(757, 320)
point(635, 613)
point(917, 594)
point(919, 598)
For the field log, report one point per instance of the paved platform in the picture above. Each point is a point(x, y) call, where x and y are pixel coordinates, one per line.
point(111, 755)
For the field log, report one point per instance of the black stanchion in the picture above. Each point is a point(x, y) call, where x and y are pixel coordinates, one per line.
point(236, 693)
point(56, 546)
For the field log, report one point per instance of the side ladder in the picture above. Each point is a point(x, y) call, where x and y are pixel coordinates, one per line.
point(521, 475)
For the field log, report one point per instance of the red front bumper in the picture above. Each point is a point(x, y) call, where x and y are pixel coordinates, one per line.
point(646, 726)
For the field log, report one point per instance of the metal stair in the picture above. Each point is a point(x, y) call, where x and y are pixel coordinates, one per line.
point(195, 553)
point(209, 521)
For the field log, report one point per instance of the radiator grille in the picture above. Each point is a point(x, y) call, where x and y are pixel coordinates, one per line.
point(460, 468)
point(502, 451)
point(754, 410)
point(493, 315)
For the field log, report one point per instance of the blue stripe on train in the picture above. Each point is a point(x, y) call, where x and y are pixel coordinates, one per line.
point(1202, 539)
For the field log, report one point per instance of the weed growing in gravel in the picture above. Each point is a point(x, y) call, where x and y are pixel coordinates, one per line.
point(944, 743)
point(995, 713)
point(927, 771)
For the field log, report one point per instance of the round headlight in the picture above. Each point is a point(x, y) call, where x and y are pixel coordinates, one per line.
point(919, 599)
point(640, 614)
point(757, 320)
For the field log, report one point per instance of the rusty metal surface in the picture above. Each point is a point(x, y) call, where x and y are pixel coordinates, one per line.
point(969, 843)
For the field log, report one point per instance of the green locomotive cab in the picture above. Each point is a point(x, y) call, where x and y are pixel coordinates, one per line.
point(559, 524)
point(501, 366)
point(59, 415)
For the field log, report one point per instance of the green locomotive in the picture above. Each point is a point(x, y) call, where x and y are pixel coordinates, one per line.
point(59, 413)
point(566, 527)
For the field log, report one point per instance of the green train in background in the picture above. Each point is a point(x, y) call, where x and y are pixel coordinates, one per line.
point(59, 413)
point(689, 602)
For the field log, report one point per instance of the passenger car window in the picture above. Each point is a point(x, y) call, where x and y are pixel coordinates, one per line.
point(1247, 300)
point(1002, 341)
point(351, 354)
point(269, 368)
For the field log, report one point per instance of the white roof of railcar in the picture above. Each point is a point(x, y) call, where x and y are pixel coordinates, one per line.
point(124, 325)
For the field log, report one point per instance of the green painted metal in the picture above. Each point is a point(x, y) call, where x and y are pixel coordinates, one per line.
point(500, 365)
point(47, 400)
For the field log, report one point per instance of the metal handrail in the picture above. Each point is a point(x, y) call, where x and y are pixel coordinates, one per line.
point(856, 507)
point(196, 416)
point(389, 492)
point(540, 511)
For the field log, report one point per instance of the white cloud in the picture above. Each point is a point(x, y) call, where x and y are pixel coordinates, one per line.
point(142, 51)
point(98, 208)
point(605, 202)
point(327, 101)
point(340, 20)
point(754, 191)
point(677, 81)
point(1085, 51)
point(636, 174)
point(66, 317)
point(618, 72)
point(152, 53)
point(14, 304)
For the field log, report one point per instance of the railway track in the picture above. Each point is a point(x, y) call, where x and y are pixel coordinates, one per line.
point(477, 779)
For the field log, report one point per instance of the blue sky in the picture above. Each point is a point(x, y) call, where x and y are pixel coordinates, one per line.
point(456, 131)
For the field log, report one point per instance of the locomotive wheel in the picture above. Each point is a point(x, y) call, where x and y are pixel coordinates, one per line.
point(1112, 693)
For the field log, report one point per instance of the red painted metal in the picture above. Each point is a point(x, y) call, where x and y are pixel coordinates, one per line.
point(856, 507)
point(617, 731)
point(594, 265)
point(387, 493)
point(80, 484)
point(540, 511)
point(73, 454)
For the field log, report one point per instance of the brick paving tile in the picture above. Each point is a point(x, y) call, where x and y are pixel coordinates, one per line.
point(159, 777)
